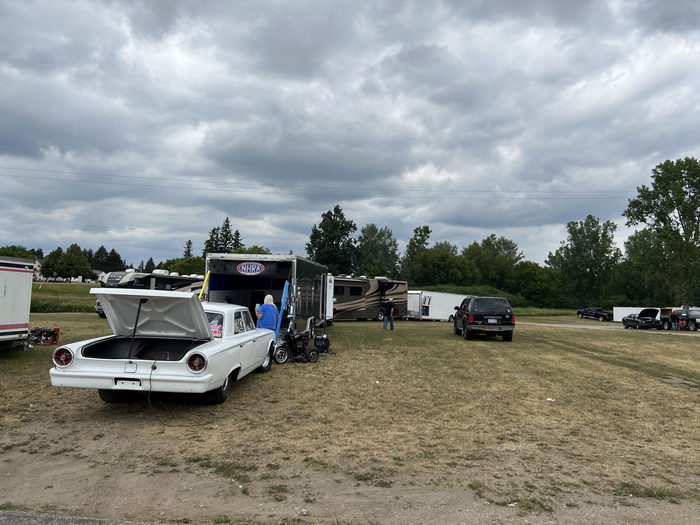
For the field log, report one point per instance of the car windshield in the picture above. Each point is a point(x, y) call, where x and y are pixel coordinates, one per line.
point(490, 304)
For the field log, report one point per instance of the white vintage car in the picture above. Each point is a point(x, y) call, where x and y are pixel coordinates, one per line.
point(165, 342)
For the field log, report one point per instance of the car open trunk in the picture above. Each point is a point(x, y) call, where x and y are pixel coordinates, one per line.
point(146, 348)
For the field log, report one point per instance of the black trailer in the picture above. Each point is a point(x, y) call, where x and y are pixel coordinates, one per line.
point(246, 279)
point(363, 298)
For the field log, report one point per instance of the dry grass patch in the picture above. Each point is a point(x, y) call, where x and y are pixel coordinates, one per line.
point(538, 422)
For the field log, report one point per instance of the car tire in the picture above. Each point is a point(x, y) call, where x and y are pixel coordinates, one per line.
point(219, 395)
point(666, 325)
point(312, 356)
point(692, 326)
point(468, 336)
point(507, 336)
point(267, 364)
point(456, 329)
point(601, 319)
point(281, 354)
point(580, 316)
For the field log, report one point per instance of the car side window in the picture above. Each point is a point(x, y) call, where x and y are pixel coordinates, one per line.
point(248, 321)
point(238, 324)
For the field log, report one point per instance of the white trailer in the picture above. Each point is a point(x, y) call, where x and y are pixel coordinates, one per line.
point(15, 300)
point(425, 305)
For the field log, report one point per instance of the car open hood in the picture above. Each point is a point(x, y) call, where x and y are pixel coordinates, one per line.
point(649, 312)
point(163, 314)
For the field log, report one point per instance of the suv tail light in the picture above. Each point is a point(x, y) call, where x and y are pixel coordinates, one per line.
point(62, 356)
point(196, 362)
point(470, 318)
point(512, 318)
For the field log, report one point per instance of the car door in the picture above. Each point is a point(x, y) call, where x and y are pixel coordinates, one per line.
point(260, 342)
point(245, 340)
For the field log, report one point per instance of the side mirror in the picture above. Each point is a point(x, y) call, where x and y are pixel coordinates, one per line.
point(456, 307)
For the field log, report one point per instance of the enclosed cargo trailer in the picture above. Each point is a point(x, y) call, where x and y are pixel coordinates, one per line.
point(15, 300)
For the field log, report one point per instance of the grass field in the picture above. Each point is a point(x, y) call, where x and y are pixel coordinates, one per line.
point(559, 417)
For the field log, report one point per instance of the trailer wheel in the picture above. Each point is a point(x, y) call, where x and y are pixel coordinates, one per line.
point(312, 357)
point(281, 354)
point(380, 316)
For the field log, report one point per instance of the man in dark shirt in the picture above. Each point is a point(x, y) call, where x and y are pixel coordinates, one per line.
point(389, 313)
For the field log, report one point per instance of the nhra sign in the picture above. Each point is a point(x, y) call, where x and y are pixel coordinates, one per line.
point(250, 268)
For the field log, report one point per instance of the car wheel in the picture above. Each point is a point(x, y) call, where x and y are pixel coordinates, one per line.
point(102, 315)
point(219, 395)
point(601, 319)
point(468, 336)
point(666, 325)
point(312, 357)
point(267, 363)
point(692, 326)
point(281, 354)
point(580, 316)
point(507, 336)
point(451, 319)
point(456, 329)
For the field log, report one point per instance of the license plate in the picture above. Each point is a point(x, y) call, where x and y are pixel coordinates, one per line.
point(492, 321)
point(128, 383)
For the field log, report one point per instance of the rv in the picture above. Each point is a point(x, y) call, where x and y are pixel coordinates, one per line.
point(424, 305)
point(246, 279)
point(156, 280)
point(15, 300)
point(363, 298)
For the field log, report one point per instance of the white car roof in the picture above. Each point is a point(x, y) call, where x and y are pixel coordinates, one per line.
point(162, 314)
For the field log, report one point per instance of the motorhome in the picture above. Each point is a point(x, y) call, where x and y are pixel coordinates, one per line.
point(363, 298)
point(246, 279)
point(15, 300)
point(424, 305)
point(159, 279)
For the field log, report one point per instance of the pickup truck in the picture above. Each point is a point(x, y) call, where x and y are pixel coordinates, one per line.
point(594, 313)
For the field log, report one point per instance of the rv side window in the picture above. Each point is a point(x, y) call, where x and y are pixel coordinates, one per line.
point(356, 290)
point(338, 290)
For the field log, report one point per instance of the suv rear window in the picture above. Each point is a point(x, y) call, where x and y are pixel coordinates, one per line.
point(490, 304)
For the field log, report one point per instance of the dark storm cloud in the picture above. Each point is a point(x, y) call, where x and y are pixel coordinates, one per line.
point(149, 122)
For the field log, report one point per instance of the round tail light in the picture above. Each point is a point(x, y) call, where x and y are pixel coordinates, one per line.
point(196, 362)
point(62, 356)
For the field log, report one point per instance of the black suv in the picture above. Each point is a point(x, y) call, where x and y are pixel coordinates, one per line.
point(484, 315)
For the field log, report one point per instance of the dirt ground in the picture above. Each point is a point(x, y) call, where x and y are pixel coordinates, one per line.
point(172, 460)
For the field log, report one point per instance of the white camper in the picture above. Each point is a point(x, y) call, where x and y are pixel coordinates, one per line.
point(15, 299)
point(425, 305)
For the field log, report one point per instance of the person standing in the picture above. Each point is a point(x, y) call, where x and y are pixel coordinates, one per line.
point(389, 310)
point(267, 314)
point(674, 320)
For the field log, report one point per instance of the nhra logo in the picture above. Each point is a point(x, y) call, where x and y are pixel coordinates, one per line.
point(250, 268)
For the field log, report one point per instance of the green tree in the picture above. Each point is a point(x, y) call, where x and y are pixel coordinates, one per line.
point(253, 249)
point(415, 245)
point(586, 260)
point(538, 285)
point(187, 252)
point(331, 242)
point(50, 266)
point(73, 264)
point(237, 243)
point(184, 265)
point(441, 265)
point(150, 265)
point(114, 262)
point(670, 208)
point(377, 252)
point(99, 259)
point(212, 244)
point(225, 237)
point(16, 251)
point(495, 257)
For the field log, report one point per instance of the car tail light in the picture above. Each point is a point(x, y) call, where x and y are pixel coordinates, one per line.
point(196, 362)
point(512, 318)
point(470, 318)
point(62, 356)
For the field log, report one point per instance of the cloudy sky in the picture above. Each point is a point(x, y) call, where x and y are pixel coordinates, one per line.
point(138, 125)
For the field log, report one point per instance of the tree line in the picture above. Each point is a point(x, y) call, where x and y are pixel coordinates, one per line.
point(658, 265)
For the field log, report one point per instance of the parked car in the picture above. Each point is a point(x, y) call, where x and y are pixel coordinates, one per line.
point(644, 319)
point(99, 310)
point(595, 313)
point(165, 342)
point(484, 315)
point(689, 319)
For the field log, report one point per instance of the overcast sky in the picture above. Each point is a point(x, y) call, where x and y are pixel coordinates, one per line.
point(138, 125)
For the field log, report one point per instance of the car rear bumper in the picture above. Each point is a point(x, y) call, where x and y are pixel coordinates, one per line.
point(490, 328)
point(139, 382)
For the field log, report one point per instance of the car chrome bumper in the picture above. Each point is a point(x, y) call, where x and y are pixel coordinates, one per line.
point(490, 328)
point(139, 382)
